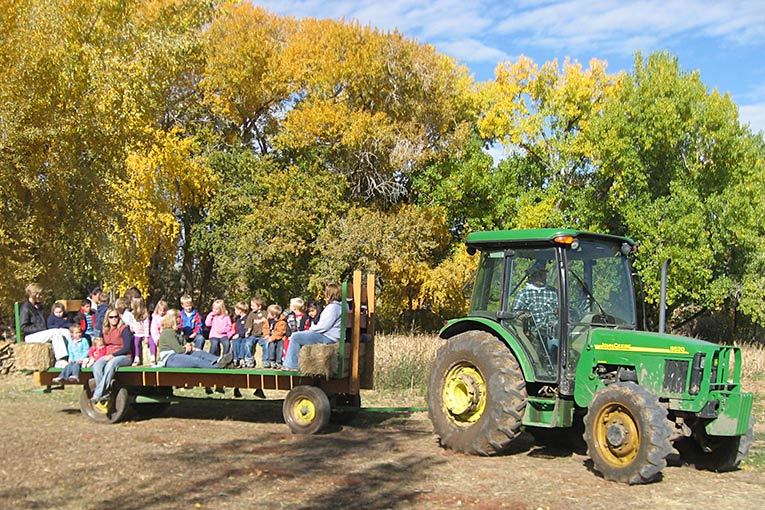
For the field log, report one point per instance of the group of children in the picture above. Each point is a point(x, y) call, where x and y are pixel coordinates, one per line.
point(249, 327)
point(269, 328)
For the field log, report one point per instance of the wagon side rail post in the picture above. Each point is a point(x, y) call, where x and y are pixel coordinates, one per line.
point(367, 377)
point(17, 316)
point(356, 333)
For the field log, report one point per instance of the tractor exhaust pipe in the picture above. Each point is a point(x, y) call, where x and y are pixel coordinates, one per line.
point(663, 298)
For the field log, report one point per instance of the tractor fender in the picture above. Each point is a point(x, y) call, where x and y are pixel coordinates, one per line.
point(457, 326)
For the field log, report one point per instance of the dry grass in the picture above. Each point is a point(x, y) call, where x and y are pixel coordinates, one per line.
point(753, 362)
point(402, 362)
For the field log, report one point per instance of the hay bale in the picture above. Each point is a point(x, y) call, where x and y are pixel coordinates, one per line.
point(318, 359)
point(36, 357)
point(6, 357)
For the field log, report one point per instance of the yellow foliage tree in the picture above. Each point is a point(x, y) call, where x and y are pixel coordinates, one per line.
point(164, 178)
point(370, 105)
point(244, 80)
point(540, 112)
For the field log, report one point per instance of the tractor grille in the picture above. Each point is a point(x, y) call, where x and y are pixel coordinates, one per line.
point(675, 376)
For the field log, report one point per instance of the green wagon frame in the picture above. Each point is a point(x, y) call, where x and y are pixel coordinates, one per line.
point(310, 398)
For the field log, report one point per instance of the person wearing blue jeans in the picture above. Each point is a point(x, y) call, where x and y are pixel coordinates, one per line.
point(326, 331)
point(118, 341)
point(175, 353)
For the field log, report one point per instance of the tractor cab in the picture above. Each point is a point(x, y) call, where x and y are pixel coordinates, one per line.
point(549, 289)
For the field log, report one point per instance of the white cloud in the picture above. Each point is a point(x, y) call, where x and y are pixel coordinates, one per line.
point(754, 115)
point(472, 50)
point(609, 26)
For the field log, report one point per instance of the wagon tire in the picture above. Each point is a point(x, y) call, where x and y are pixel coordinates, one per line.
point(119, 403)
point(306, 410)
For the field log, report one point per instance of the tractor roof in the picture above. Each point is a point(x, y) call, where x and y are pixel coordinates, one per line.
point(551, 236)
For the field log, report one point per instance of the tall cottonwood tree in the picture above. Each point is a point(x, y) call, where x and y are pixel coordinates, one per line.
point(683, 177)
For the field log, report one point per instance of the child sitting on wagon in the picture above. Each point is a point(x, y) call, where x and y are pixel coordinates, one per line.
point(96, 351)
point(78, 356)
point(274, 332)
point(241, 342)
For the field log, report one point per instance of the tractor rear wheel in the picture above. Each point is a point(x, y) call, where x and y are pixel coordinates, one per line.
point(627, 434)
point(476, 394)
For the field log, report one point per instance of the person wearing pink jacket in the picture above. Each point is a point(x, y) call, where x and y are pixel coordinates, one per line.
point(219, 323)
point(160, 310)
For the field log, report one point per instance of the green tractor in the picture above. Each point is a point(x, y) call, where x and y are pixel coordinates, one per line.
point(553, 340)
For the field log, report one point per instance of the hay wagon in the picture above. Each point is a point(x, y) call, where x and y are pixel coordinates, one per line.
point(337, 373)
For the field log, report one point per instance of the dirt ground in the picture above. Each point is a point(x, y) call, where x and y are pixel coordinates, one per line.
point(227, 454)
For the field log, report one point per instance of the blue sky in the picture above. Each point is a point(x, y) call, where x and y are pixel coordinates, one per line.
point(724, 39)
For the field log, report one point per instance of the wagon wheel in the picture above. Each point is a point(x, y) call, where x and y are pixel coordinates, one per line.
point(118, 406)
point(306, 410)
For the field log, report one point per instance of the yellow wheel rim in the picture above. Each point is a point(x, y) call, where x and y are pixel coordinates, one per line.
point(616, 435)
point(304, 410)
point(464, 394)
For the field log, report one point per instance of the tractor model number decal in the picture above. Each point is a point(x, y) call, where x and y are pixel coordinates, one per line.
point(673, 349)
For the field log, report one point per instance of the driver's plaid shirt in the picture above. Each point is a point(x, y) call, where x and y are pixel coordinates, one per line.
point(542, 302)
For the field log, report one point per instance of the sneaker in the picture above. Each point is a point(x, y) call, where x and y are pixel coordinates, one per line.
point(225, 359)
point(208, 390)
point(249, 363)
point(237, 393)
point(102, 407)
point(220, 389)
point(57, 380)
point(259, 393)
point(278, 366)
point(74, 379)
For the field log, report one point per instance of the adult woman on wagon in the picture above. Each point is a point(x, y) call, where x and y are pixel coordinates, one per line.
point(33, 325)
point(119, 343)
point(175, 353)
point(326, 331)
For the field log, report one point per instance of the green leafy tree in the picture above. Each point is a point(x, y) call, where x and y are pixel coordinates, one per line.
point(680, 169)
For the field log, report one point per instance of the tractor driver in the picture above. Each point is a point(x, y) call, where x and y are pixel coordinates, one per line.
point(541, 301)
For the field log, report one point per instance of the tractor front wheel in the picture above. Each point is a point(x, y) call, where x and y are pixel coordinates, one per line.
point(716, 453)
point(476, 394)
point(627, 434)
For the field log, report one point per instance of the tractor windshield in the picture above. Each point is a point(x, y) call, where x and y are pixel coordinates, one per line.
point(599, 286)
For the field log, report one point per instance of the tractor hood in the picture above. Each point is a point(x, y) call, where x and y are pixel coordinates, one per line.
point(630, 341)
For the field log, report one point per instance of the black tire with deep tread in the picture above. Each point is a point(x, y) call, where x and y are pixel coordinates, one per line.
point(654, 432)
point(726, 452)
point(506, 397)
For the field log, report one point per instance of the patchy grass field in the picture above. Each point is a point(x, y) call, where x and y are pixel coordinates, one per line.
point(220, 453)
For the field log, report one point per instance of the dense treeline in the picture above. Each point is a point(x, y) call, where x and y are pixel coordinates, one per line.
point(218, 149)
